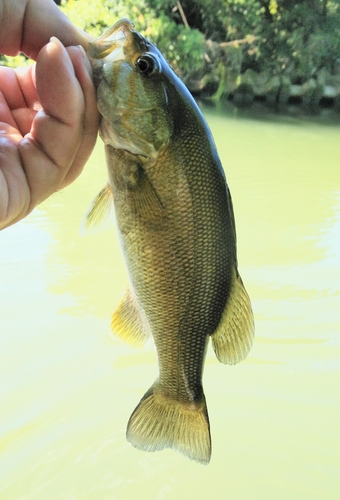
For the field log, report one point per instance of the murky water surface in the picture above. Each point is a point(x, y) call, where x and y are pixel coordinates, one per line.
point(68, 388)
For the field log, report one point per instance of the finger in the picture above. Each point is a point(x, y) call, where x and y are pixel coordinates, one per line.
point(26, 80)
point(50, 148)
point(23, 118)
point(57, 86)
point(28, 25)
point(9, 87)
point(18, 98)
point(6, 117)
point(18, 87)
point(83, 71)
point(15, 196)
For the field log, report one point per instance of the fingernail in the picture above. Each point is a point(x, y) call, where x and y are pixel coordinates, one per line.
point(82, 50)
point(85, 59)
point(56, 40)
point(56, 47)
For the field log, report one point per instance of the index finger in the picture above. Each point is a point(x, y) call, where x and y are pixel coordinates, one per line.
point(28, 25)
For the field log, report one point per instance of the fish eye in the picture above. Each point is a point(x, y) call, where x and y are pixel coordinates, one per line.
point(147, 65)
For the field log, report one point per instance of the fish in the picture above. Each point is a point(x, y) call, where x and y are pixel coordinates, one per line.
point(176, 227)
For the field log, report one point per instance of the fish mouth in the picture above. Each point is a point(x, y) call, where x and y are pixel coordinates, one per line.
point(110, 45)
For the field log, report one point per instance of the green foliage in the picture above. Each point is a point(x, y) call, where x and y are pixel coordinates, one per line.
point(181, 47)
point(14, 61)
point(301, 38)
point(294, 39)
point(93, 17)
point(279, 37)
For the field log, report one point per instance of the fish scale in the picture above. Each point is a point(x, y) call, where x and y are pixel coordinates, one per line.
point(176, 227)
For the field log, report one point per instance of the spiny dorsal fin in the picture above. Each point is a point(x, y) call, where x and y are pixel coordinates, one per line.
point(127, 323)
point(233, 337)
point(98, 212)
point(159, 422)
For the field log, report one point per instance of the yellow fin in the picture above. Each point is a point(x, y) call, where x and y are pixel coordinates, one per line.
point(127, 323)
point(159, 422)
point(99, 210)
point(233, 337)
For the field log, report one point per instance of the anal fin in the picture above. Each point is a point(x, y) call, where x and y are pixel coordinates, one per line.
point(233, 337)
point(127, 323)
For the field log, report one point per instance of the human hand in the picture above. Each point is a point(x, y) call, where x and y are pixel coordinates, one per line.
point(48, 112)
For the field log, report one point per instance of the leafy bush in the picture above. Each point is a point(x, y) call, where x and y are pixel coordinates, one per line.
point(277, 37)
point(181, 47)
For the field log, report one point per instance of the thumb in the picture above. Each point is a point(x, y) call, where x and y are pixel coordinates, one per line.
point(57, 86)
point(49, 149)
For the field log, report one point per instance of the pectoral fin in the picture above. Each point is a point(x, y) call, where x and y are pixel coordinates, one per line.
point(99, 210)
point(233, 337)
point(127, 322)
point(141, 192)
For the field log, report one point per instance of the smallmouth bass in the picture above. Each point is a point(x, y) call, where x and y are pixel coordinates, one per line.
point(177, 231)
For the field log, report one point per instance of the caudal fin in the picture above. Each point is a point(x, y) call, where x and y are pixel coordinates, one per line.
point(159, 422)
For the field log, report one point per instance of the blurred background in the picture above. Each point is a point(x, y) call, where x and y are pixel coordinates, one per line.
point(265, 74)
point(273, 51)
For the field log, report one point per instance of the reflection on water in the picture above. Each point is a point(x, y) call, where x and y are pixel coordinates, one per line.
point(68, 388)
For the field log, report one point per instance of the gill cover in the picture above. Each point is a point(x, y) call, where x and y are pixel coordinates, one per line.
point(131, 91)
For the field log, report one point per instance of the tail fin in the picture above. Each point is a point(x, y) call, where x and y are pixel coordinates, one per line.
point(159, 422)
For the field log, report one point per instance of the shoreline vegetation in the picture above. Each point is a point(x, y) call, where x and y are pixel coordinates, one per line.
point(278, 52)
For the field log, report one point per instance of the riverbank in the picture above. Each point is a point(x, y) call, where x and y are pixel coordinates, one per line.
point(277, 91)
point(280, 53)
point(224, 76)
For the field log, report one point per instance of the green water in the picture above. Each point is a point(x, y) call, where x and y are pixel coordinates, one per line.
point(68, 388)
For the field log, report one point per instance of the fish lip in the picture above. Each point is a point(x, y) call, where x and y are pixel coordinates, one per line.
point(109, 46)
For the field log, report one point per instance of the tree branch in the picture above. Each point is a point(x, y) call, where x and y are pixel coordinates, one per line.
point(183, 16)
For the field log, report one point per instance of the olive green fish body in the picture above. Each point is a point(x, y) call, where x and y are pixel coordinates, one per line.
point(176, 226)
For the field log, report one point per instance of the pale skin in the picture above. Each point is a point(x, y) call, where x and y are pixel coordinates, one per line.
point(48, 112)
